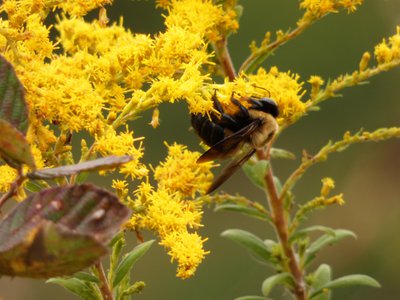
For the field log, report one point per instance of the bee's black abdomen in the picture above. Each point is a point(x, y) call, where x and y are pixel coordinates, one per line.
point(210, 132)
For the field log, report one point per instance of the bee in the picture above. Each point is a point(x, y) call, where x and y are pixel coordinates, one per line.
point(227, 134)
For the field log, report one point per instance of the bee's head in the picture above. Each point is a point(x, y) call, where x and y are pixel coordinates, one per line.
point(266, 105)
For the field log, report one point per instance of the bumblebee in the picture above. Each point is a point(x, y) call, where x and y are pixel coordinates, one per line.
point(227, 134)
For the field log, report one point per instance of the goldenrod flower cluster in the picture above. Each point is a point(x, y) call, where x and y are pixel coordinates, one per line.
point(170, 209)
point(316, 9)
point(386, 52)
point(95, 77)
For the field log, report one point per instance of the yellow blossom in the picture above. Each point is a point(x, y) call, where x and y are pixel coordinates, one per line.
point(201, 17)
point(121, 187)
point(388, 51)
point(364, 61)
point(318, 8)
point(172, 218)
point(283, 87)
point(81, 7)
point(8, 175)
point(181, 173)
point(167, 212)
point(316, 83)
point(186, 248)
point(327, 185)
point(123, 143)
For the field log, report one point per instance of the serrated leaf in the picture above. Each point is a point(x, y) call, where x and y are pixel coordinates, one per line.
point(59, 231)
point(253, 298)
point(325, 240)
point(77, 287)
point(250, 242)
point(14, 148)
point(321, 277)
point(346, 281)
point(282, 153)
point(13, 108)
point(256, 171)
point(104, 163)
point(129, 260)
point(249, 211)
point(274, 280)
point(304, 232)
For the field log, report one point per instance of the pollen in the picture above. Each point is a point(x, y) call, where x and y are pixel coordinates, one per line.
point(181, 173)
point(175, 221)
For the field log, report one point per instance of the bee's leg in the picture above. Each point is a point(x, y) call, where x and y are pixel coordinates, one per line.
point(243, 109)
point(226, 119)
point(217, 104)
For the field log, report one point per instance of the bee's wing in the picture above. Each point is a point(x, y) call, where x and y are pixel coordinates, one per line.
point(222, 149)
point(229, 170)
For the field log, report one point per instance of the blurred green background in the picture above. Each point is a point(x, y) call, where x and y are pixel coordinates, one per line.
point(367, 174)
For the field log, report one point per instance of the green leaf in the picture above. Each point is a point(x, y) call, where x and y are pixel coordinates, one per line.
point(325, 240)
point(135, 288)
point(59, 231)
point(14, 148)
point(282, 153)
point(129, 260)
point(272, 281)
point(34, 186)
point(304, 232)
point(347, 281)
point(253, 298)
point(278, 184)
point(321, 277)
point(77, 287)
point(250, 242)
point(256, 171)
point(85, 276)
point(249, 211)
point(104, 163)
point(13, 108)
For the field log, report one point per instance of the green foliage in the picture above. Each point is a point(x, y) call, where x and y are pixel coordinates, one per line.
point(251, 242)
point(84, 289)
point(274, 280)
point(128, 262)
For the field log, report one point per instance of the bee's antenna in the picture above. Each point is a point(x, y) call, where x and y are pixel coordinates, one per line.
point(260, 87)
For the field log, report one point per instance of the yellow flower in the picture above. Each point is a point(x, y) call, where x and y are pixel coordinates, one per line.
point(327, 185)
point(81, 7)
point(172, 218)
point(186, 248)
point(386, 52)
point(181, 173)
point(318, 8)
point(7, 176)
point(121, 187)
point(201, 17)
point(283, 87)
point(123, 143)
point(167, 212)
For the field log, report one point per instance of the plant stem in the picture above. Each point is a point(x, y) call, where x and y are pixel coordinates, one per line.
point(258, 56)
point(104, 286)
point(222, 53)
point(281, 227)
point(13, 188)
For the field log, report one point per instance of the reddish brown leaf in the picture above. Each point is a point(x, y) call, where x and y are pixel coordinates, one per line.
point(59, 231)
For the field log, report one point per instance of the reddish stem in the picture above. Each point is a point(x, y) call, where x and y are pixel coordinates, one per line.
point(281, 227)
